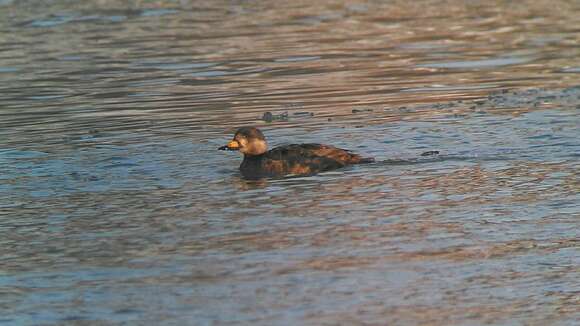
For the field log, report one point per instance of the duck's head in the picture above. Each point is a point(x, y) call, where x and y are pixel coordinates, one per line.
point(249, 141)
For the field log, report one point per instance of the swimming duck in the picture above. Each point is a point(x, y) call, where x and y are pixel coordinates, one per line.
point(295, 159)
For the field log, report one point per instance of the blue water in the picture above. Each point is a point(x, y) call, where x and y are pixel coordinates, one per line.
point(116, 207)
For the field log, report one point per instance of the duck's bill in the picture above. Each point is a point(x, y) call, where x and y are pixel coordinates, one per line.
point(231, 146)
point(226, 148)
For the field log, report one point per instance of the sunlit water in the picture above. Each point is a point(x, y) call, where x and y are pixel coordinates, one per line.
point(116, 207)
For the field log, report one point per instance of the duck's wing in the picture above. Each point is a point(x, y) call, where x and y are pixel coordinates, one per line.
point(312, 158)
point(338, 154)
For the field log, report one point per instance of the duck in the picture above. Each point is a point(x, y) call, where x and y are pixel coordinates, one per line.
point(293, 159)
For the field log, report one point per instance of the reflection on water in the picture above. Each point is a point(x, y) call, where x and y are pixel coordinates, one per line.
point(116, 208)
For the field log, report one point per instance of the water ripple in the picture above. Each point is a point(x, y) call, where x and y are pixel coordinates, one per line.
point(112, 190)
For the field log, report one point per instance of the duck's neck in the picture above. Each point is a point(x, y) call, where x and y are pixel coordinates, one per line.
point(252, 166)
point(252, 159)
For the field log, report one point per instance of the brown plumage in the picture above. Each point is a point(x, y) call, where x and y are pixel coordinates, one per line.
point(295, 159)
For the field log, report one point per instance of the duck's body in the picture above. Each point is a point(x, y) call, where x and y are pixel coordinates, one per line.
point(295, 159)
point(298, 159)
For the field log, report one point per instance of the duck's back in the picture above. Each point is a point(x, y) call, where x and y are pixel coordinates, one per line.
point(299, 159)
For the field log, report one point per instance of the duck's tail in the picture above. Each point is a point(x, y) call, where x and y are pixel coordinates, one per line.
point(356, 159)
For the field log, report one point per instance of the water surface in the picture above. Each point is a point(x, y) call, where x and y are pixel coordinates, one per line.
point(116, 208)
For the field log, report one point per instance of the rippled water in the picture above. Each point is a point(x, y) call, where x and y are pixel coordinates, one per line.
point(116, 208)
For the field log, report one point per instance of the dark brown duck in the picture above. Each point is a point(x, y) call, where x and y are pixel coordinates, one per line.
point(295, 159)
